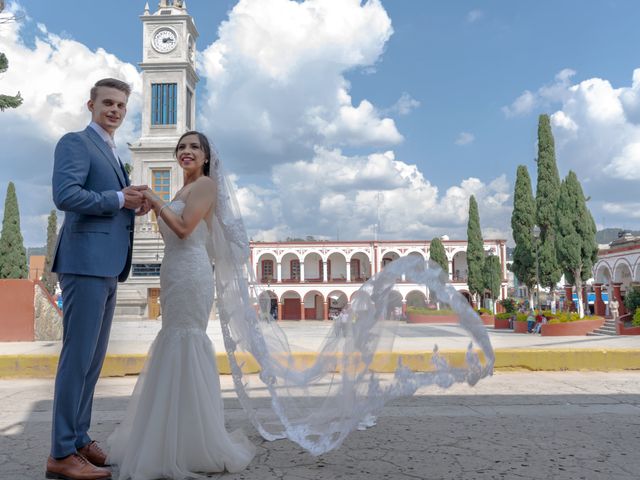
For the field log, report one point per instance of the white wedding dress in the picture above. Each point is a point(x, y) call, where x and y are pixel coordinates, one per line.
point(174, 426)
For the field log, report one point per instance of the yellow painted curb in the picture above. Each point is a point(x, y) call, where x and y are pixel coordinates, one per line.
point(43, 366)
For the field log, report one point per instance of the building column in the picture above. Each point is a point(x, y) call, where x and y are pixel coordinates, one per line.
point(301, 272)
point(451, 270)
point(279, 272)
point(617, 294)
point(348, 271)
point(325, 272)
point(599, 303)
point(404, 308)
point(279, 310)
point(325, 315)
point(302, 309)
point(569, 306)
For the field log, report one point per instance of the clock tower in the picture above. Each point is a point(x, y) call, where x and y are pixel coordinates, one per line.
point(169, 81)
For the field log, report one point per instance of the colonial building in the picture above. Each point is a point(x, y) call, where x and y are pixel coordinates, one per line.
point(304, 280)
point(616, 271)
point(315, 280)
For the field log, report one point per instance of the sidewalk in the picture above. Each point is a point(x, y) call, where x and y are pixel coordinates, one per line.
point(130, 342)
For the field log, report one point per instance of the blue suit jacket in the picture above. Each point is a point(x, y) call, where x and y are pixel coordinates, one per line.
point(96, 236)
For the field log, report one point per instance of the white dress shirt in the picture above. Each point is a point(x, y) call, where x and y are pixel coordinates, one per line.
point(109, 141)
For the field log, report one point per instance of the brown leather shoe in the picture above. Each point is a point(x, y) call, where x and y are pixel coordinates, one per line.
point(94, 454)
point(75, 467)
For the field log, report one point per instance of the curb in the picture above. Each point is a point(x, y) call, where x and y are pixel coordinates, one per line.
point(602, 360)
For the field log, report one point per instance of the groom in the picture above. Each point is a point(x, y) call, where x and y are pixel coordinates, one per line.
point(93, 253)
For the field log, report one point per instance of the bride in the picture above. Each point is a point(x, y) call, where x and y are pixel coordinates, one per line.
point(174, 425)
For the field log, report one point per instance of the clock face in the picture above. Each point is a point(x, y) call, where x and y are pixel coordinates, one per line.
point(165, 40)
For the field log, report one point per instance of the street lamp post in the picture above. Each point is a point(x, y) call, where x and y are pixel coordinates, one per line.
point(536, 236)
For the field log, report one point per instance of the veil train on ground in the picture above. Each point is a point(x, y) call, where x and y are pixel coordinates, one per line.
point(317, 398)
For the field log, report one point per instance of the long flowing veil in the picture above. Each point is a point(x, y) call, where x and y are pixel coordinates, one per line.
point(317, 398)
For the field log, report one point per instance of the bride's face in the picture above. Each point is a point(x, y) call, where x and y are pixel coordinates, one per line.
point(190, 155)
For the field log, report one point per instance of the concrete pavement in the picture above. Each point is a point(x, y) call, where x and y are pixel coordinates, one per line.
point(515, 425)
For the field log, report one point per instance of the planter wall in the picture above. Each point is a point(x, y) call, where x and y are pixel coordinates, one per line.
point(487, 319)
point(420, 318)
point(622, 330)
point(28, 312)
point(520, 327)
point(580, 327)
point(501, 323)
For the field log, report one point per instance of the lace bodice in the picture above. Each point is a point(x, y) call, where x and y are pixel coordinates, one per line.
point(186, 276)
point(198, 238)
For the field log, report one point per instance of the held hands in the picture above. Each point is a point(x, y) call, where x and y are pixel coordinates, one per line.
point(151, 200)
point(133, 197)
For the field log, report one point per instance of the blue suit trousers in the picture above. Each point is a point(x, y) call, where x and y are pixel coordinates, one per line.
point(88, 306)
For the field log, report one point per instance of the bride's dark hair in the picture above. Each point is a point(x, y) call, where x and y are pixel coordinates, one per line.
point(206, 148)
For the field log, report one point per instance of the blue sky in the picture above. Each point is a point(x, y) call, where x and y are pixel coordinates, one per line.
point(452, 78)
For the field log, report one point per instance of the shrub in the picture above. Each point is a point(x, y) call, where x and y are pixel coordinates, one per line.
point(521, 317)
point(636, 318)
point(509, 305)
point(565, 317)
point(632, 300)
point(484, 311)
point(504, 316)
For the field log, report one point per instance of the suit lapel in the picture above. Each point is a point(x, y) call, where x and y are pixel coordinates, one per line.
point(106, 151)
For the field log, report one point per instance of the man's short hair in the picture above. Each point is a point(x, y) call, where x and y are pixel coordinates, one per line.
point(111, 83)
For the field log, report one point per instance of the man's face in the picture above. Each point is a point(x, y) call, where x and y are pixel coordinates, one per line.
point(109, 108)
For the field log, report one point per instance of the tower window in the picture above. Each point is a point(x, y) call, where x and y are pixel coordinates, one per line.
point(160, 183)
point(164, 100)
point(189, 100)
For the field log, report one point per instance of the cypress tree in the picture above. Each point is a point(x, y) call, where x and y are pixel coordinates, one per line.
point(523, 219)
point(576, 241)
point(492, 274)
point(8, 101)
point(439, 256)
point(49, 278)
point(13, 256)
point(475, 250)
point(547, 192)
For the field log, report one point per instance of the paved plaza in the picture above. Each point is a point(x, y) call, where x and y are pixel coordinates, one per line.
point(517, 425)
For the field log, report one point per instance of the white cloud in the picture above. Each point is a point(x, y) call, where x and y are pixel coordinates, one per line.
point(404, 106)
point(543, 97)
point(334, 192)
point(474, 15)
point(275, 80)
point(465, 138)
point(625, 209)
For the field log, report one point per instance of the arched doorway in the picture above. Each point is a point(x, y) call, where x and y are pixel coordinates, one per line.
point(337, 301)
point(268, 301)
point(291, 306)
point(416, 299)
point(313, 306)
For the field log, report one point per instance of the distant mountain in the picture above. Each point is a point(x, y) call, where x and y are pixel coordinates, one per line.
point(608, 235)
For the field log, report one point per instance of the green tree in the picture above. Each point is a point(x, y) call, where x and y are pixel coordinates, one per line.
point(547, 192)
point(492, 275)
point(49, 278)
point(7, 101)
point(523, 219)
point(475, 250)
point(438, 255)
point(576, 241)
point(13, 256)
